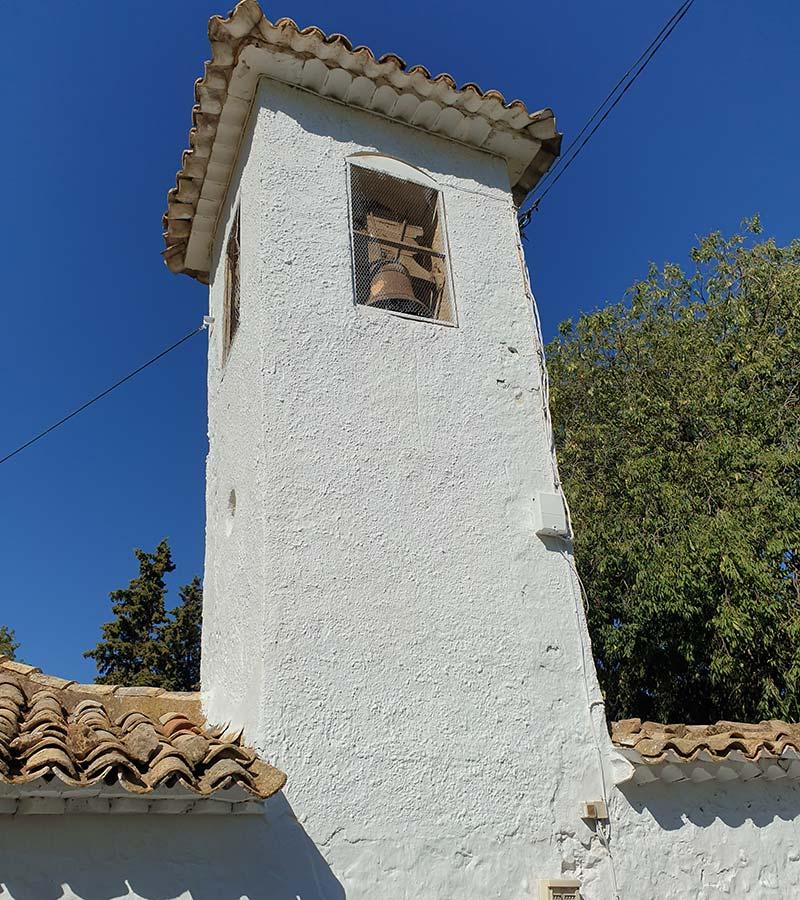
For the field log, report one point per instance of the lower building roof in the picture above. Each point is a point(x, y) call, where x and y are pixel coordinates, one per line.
point(724, 751)
point(62, 741)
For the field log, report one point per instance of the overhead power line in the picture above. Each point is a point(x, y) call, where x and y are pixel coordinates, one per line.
point(680, 11)
point(102, 394)
point(603, 110)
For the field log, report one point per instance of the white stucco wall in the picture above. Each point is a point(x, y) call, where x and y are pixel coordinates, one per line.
point(669, 843)
point(382, 618)
point(707, 841)
point(162, 857)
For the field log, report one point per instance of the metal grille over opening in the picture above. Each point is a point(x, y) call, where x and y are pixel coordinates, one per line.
point(232, 255)
point(559, 890)
point(399, 246)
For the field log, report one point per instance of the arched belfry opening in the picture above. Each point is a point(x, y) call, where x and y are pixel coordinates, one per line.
point(399, 240)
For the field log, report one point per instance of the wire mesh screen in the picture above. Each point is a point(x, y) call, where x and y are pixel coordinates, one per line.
point(399, 257)
point(232, 265)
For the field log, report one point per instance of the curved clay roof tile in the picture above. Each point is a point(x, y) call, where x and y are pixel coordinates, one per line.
point(528, 156)
point(161, 738)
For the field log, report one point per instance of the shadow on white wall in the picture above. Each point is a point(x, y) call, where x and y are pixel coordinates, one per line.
point(711, 841)
point(760, 802)
point(153, 857)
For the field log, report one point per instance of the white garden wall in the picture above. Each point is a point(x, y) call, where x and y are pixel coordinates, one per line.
point(708, 841)
point(162, 857)
point(669, 843)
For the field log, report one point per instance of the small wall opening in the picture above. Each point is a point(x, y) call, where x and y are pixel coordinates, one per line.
point(232, 285)
point(230, 512)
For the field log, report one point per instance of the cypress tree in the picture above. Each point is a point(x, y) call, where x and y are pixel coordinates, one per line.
point(130, 650)
point(179, 640)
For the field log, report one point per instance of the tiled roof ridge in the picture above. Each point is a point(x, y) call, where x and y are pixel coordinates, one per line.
point(35, 675)
point(140, 739)
point(220, 27)
point(247, 25)
point(655, 742)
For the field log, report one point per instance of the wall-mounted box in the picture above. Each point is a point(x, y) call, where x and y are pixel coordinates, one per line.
point(594, 810)
point(550, 515)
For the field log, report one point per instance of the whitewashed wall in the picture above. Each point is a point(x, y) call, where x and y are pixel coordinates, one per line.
point(708, 841)
point(669, 843)
point(162, 857)
point(381, 617)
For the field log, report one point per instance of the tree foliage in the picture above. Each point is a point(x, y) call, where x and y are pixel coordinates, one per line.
point(180, 638)
point(677, 424)
point(145, 644)
point(8, 644)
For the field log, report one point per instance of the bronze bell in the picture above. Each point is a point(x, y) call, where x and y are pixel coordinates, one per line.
point(391, 288)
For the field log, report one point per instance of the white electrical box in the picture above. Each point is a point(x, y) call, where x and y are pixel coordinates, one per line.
point(550, 515)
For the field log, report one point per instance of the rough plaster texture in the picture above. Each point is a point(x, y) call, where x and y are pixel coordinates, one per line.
point(669, 842)
point(707, 841)
point(379, 614)
point(152, 857)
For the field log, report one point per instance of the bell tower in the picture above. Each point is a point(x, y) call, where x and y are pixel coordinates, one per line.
point(380, 615)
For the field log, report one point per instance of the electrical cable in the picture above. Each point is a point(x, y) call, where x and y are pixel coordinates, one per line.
point(580, 597)
point(565, 160)
point(601, 106)
point(581, 622)
point(102, 394)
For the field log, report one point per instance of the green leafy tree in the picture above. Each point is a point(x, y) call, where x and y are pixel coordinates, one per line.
point(145, 644)
point(677, 424)
point(8, 644)
point(180, 640)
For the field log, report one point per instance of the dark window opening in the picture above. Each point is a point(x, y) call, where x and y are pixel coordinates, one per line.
point(232, 293)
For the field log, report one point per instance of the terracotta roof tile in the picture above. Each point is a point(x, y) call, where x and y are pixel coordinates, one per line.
point(653, 741)
point(139, 738)
point(329, 65)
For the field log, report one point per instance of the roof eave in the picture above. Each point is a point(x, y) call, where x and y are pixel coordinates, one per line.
point(53, 797)
point(673, 769)
point(105, 742)
point(306, 58)
point(725, 751)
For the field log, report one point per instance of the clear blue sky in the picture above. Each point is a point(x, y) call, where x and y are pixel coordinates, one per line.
point(97, 100)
